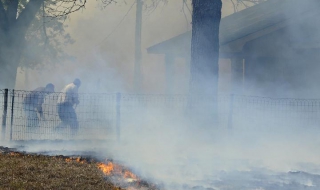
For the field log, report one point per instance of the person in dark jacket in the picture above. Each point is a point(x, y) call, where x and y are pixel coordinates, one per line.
point(32, 104)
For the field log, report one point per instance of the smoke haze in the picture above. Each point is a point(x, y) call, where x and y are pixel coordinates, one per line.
point(159, 143)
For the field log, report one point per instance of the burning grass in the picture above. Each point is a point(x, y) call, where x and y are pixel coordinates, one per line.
point(28, 171)
point(19, 170)
point(123, 177)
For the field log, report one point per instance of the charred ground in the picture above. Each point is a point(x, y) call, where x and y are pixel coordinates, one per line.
point(20, 170)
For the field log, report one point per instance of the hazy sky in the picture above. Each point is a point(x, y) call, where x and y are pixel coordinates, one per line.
point(105, 49)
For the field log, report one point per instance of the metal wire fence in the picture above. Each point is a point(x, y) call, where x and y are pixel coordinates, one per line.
point(272, 113)
point(95, 114)
point(104, 116)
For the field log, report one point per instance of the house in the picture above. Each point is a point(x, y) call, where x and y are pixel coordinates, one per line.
point(273, 48)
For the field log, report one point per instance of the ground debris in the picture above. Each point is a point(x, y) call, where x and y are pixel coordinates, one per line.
point(61, 171)
point(21, 170)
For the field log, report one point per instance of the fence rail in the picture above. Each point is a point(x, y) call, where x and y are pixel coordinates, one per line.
point(104, 116)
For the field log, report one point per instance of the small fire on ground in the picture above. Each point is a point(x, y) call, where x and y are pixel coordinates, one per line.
point(123, 177)
point(110, 169)
point(119, 175)
point(113, 169)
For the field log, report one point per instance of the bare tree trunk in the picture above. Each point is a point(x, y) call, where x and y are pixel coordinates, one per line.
point(205, 46)
point(12, 33)
point(9, 61)
point(204, 68)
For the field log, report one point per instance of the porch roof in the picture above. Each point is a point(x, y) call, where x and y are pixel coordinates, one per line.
point(244, 25)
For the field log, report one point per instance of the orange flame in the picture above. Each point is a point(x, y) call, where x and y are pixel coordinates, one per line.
point(128, 174)
point(106, 168)
point(15, 154)
point(68, 159)
point(78, 159)
point(116, 169)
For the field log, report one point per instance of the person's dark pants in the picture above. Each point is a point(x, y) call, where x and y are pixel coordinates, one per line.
point(68, 117)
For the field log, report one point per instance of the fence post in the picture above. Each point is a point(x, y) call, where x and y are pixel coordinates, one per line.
point(230, 115)
point(11, 123)
point(4, 114)
point(118, 102)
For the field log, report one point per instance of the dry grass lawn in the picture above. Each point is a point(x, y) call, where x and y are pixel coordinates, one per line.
point(23, 171)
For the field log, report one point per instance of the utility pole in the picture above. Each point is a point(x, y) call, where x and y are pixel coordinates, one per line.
point(137, 62)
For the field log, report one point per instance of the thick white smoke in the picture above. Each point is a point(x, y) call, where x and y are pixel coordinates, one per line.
point(160, 142)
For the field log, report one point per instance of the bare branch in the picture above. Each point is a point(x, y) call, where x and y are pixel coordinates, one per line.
point(3, 17)
point(44, 24)
point(184, 3)
point(107, 2)
point(152, 5)
point(28, 14)
point(12, 11)
point(245, 3)
point(234, 6)
point(63, 8)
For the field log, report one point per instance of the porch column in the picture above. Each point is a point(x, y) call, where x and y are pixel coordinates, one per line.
point(237, 75)
point(169, 61)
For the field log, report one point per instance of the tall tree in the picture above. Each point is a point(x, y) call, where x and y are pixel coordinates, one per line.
point(206, 16)
point(45, 42)
point(16, 17)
